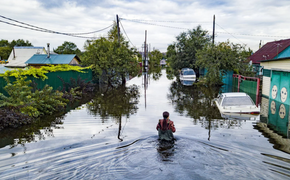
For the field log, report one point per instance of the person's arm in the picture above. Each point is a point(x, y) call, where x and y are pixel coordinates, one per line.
point(172, 126)
point(158, 127)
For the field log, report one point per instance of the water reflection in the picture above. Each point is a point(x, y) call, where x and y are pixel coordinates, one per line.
point(38, 130)
point(115, 103)
point(195, 101)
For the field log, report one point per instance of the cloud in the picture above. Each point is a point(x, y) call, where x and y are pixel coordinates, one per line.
point(236, 20)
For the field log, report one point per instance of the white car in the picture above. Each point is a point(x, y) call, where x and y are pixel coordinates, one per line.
point(187, 75)
point(238, 103)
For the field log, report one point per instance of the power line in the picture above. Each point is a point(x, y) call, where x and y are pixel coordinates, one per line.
point(226, 32)
point(126, 34)
point(230, 33)
point(35, 28)
point(166, 21)
point(153, 24)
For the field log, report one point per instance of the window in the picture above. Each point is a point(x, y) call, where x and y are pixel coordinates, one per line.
point(237, 101)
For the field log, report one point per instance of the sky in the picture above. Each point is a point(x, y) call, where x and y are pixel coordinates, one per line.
point(239, 21)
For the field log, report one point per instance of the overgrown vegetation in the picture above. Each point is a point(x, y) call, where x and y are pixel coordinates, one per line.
point(111, 58)
point(25, 103)
point(194, 49)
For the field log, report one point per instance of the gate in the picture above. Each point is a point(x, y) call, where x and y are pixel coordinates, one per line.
point(249, 85)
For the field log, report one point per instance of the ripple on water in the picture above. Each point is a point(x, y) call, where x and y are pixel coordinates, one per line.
point(146, 158)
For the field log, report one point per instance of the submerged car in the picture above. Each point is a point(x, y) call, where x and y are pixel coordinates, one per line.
point(237, 103)
point(187, 76)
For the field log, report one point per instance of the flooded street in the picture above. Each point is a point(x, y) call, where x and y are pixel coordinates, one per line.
point(114, 136)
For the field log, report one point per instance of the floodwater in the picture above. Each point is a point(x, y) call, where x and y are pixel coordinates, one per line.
point(113, 136)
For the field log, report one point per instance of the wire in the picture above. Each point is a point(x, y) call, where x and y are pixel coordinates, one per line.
point(166, 21)
point(35, 28)
point(153, 24)
point(230, 34)
point(127, 35)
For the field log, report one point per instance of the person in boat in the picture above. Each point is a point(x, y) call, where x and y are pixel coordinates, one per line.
point(165, 128)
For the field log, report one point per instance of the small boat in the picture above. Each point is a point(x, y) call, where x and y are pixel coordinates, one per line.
point(187, 76)
point(237, 103)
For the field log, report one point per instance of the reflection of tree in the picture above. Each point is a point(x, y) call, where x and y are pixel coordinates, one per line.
point(195, 101)
point(155, 72)
point(115, 103)
point(38, 130)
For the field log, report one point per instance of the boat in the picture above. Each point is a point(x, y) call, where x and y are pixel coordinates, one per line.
point(187, 76)
point(238, 103)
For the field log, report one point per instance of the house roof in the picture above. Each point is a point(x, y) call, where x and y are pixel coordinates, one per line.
point(53, 59)
point(269, 51)
point(22, 54)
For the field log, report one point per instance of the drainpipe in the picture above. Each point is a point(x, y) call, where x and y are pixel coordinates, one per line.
point(48, 51)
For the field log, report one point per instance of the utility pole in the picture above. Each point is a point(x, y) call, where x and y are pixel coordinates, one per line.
point(213, 29)
point(118, 27)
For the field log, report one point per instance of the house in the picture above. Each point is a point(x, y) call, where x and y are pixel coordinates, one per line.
point(38, 60)
point(19, 55)
point(271, 50)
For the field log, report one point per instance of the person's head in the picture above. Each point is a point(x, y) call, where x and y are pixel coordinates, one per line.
point(165, 114)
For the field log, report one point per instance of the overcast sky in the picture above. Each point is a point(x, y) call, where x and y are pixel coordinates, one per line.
point(239, 21)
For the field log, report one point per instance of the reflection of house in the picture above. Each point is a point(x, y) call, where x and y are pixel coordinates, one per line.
point(279, 141)
point(20, 55)
point(39, 60)
point(271, 50)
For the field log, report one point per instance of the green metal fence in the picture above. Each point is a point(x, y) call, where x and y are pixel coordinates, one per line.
point(53, 79)
point(249, 85)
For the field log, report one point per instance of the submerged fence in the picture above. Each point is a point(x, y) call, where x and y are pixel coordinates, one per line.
point(54, 79)
point(249, 85)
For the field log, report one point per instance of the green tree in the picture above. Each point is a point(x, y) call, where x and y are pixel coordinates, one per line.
point(154, 58)
point(67, 48)
point(20, 42)
point(5, 52)
point(111, 57)
point(222, 57)
point(6, 46)
point(4, 43)
point(182, 53)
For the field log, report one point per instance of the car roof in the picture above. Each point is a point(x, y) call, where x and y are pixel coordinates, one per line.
point(187, 69)
point(233, 94)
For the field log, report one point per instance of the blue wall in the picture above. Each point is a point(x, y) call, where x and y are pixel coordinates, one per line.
point(284, 53)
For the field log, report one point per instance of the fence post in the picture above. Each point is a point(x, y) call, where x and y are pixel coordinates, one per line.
point(239, 83)
point(257, 91)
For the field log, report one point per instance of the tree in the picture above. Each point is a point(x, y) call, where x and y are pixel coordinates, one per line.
point(112, 57)
point(6, 46)
point(20, 42)
point(154, 58)
point(222, 57)
point(67, 48)
point(5, 52)
point(182, 53)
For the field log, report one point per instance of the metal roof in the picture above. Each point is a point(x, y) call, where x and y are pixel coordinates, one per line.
point(269, 51)
point(22, 54)
point(53, 59)
point(27, 47)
